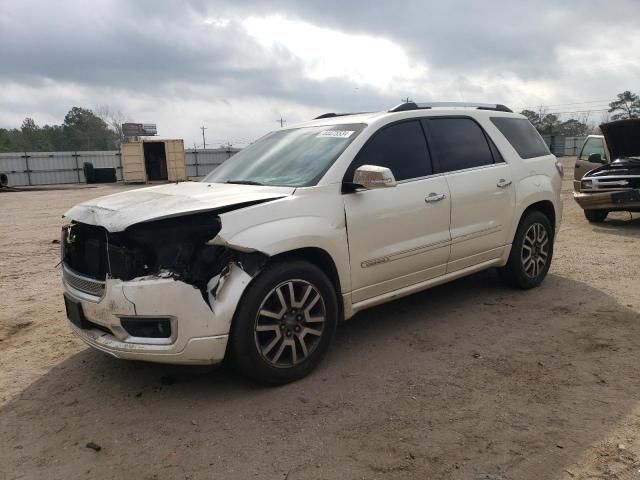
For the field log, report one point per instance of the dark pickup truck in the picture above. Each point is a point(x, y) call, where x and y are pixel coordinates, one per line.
point(613, 186)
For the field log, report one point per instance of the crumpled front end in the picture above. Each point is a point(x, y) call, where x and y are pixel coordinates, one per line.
point(156, 291)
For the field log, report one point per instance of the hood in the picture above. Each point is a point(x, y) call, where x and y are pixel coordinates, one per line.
point(622, 137)
point(121, 210)
point(626, 167)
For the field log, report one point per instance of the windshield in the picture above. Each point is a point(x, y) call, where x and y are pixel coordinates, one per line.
point(294, 157)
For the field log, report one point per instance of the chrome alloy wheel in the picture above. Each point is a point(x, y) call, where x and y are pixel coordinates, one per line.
point(535, 250)
point(290, 323)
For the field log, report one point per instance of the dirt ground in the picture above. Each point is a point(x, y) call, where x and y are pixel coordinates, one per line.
point(470, 380)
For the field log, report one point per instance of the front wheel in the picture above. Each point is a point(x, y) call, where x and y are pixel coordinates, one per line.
point(531, 252)
point(596, 216)
point(284, 323)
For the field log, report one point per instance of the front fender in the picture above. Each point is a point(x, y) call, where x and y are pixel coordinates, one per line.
point(308, 221)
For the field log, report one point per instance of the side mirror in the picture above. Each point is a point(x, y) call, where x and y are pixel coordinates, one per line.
point(595, 158)
point(372, 176)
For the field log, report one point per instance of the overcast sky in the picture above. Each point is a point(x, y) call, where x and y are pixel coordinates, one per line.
point(237, 67)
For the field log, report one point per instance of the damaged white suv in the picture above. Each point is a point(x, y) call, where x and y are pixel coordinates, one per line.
point(306, 227)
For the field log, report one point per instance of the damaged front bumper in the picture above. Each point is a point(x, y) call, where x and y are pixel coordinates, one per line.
point(199, 327)
point(612, 201)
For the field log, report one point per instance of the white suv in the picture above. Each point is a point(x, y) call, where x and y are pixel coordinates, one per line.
point(304, 228)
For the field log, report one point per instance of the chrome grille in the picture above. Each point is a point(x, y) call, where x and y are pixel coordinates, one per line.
point(84, 284)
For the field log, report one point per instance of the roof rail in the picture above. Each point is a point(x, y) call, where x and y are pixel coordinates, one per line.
point(331, 114)
point(403, 107)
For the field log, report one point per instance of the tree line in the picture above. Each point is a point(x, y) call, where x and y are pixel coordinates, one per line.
point(626, 105)
point(82, 129)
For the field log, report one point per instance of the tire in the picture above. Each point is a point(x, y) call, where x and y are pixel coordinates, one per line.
point(88, 172)
point(596, 216)
point(274, 343)
point(532, 245)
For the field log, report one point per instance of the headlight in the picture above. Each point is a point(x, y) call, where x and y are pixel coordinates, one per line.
point(586, 184)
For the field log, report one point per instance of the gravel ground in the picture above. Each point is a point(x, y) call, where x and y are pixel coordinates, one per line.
point(470, 380)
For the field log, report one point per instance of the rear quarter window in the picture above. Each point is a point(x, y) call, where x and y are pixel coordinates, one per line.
point(522, 136)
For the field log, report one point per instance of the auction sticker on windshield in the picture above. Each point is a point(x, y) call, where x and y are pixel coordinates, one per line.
point(335, 134)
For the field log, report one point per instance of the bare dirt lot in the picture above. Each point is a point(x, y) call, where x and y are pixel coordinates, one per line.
point(470, 380)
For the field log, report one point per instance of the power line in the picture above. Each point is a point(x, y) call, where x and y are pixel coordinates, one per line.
point(569, 104)
point(579, 111)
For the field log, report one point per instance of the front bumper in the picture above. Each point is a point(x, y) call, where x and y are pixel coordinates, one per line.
point(199, 331)
point(618, 200)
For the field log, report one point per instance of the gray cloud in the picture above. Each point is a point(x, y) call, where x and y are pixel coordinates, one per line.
point(129, 53)
point(464, 34)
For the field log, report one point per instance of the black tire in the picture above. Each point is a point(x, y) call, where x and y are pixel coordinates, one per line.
point(519, 272)
point(596, 216)
point(247, 345)
point(89, 172)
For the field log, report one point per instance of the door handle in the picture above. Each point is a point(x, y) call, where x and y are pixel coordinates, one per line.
point(434, 197)
point(502, 183)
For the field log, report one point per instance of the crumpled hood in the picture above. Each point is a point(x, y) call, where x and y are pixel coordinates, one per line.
point(118, 211)
point(622, 137)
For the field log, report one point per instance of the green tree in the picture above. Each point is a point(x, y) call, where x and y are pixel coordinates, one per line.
point(33, 138)
point(549, 124)
point(81, 130)
point(627, 106)
point(533, 117)
point(573, 128)
point(84, 130)
point(8, 140)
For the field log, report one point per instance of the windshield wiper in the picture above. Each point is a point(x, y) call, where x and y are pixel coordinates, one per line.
point(244, 182)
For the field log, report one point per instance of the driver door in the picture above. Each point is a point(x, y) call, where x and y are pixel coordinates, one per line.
point(583, 165)
point(398, 236)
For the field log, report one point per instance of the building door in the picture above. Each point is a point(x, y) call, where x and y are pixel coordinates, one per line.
point(155, 161)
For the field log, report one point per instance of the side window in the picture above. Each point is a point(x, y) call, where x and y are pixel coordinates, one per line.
point(459, 143)
point(401, 147)
point(522, 136)
point(591, 146)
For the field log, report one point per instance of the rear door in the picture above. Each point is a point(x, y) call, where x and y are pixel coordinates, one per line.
point(481, 186)
point(583, 165)
point(398, 236)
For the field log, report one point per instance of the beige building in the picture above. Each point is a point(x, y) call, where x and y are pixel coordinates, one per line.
point(153, 160)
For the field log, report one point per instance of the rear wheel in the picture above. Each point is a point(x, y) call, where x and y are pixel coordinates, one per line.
point(531, 252)
point(596, 216)
point(284, 323)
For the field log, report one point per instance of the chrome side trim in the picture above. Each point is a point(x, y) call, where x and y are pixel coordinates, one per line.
point(405, 253)
point(609, 177)
point(476, 234)
point(431, 246)
point(404, 291)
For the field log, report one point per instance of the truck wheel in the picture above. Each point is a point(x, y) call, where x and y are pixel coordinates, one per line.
point(284, 323)
point(596, 216)
point(531, 252)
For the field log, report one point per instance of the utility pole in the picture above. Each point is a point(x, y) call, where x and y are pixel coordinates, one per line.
point(405, 100)
point(282, 121)
point(204, 141)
